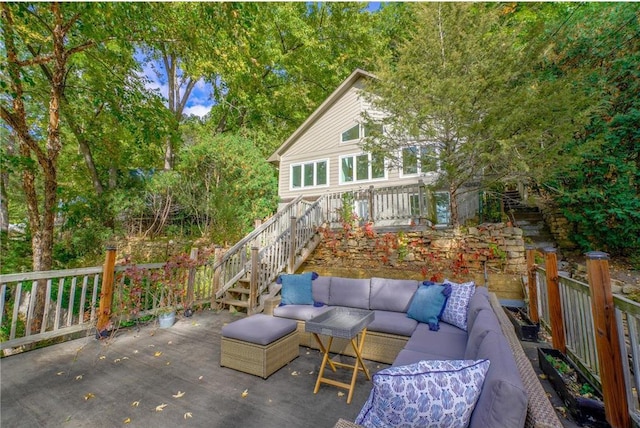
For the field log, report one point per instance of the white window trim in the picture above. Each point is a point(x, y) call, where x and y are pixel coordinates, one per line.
point(370, 180)
point(315, 172)
point(419, 173)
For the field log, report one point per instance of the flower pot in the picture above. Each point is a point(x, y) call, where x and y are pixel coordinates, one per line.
point(167, 319)
point(525, 329)
point(587, 411)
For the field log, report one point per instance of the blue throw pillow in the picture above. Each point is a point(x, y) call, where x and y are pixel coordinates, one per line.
point(428, 304)
point(296, 289)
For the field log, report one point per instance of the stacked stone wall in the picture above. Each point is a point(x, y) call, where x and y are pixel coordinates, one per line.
point(436, 253)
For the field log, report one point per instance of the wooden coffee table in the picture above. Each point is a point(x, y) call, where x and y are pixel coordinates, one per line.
point(344, 323)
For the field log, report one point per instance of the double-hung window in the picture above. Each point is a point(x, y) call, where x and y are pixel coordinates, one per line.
point(419, 160)
point(361, 167)
point(309, 174)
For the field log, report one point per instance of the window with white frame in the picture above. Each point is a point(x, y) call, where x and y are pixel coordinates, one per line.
point(359, 131)
point(419, 160)
point(309, 174)
point(362, 167)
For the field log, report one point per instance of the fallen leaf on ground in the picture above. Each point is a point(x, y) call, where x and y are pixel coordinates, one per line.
point(89, 396)
point(195, 324)
point(188, 415)
point(127, 421)
point(311, 372)
point(200, 378)
point(102, 357)
point(340, 394)
point(168, 363)
point(135, 404)
point(157, 354)
point(245, 393)
point(170, 342)
point(178, 394)
point(542, 376)
point(135, 351)
point(160, 407)
point(125, 358)
point(79, 377)
point(60, 373)
point(294, 373)
point(117, 360)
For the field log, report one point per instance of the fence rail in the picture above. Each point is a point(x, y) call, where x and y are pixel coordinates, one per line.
point(587, 340)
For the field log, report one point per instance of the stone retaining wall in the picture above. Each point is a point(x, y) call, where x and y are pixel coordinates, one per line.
point(436, 253)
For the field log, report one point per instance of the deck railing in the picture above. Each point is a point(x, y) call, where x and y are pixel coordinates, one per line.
point(411, 201)
point(599, 331)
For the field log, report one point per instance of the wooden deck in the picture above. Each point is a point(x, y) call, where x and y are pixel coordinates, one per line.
point(124, 381)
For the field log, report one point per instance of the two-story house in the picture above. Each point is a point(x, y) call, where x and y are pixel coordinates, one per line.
point(324, 155)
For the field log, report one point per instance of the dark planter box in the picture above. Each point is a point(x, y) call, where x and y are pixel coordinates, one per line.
point(525, 329)
point(585, 411)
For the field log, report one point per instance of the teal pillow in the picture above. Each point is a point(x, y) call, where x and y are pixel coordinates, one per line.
point(296, 289)
point(428, 304)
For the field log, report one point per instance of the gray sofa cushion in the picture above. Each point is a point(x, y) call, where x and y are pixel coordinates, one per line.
point(349, 292)
point(485, 321)
point(503, 401)
point(320, 289)
point(392, 294)
point(444, 344)
point(393, 323)
point(408, 356)
point(299, 312)
point(259, 329)
point(479, 301)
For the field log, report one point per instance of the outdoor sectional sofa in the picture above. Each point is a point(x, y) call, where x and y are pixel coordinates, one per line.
point(394, 338)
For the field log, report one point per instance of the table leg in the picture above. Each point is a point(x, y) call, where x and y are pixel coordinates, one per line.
point(327, 350)
point(359, 364)
point(325, 358)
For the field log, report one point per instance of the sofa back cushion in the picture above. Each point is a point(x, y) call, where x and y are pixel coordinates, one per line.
point(503, 402)
point(485, 321)
point(320, 289)
point(353, 293)
point(478, 302)
point(392, 294)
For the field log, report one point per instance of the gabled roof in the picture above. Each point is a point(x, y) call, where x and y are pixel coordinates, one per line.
point(344, 87)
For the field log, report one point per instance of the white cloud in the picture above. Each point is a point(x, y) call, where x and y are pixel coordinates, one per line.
point(197, 110)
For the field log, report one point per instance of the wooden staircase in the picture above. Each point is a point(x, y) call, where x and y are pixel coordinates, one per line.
point(281, 244)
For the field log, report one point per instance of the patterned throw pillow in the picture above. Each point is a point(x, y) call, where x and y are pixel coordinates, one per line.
point(455, 313)
point(432, 393)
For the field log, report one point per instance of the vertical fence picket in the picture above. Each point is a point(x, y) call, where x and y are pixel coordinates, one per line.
point(32, 305)
point(16, 313)
point(56, 322)
point(47, 307)
point(3, 293)
point(72, 297)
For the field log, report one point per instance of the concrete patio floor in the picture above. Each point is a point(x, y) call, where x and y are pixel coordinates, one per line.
point(126, 380)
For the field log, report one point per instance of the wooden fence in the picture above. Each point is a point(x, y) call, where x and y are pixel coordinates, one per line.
point(595, 329)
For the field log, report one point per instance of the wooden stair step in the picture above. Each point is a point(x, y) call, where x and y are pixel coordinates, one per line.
point(239, 290)
point(234, 302)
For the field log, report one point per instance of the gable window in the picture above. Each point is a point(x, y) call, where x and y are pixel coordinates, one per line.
point(309, 174)
point(359, 131)
point(362, 167)
point(419, 160)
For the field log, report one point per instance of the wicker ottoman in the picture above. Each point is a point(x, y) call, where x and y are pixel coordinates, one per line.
point(259, 344)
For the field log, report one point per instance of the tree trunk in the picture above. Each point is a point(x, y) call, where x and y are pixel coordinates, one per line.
point(4, 184)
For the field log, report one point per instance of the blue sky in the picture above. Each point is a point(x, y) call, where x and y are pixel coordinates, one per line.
point(200, 102)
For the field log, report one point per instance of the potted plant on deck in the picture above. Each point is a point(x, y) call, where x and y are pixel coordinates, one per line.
point(525, 329)
point(170, 290)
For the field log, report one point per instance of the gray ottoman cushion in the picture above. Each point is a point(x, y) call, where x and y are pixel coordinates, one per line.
point(259, 329)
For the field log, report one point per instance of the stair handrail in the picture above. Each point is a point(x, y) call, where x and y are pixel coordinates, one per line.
point(257, 231)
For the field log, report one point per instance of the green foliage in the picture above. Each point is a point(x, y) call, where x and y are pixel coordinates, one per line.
point(225, 184)
point(16, 253)
point(597, 184)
